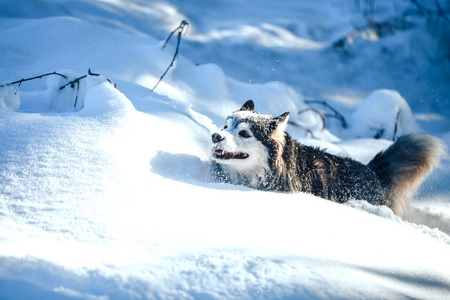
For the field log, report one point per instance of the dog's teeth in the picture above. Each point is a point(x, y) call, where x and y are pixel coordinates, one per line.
point(227, 155)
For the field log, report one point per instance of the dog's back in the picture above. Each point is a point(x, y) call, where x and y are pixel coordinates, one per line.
point(335, 178)
point(390, 179)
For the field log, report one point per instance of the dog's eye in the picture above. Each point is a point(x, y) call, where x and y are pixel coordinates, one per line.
point(225, 127)
point(244, 134)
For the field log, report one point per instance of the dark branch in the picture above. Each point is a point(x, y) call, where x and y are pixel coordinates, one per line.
point(180, 30)
point(76, 97)
point(95, 74)
point(390, 25)
point(335, 114)
point(394, 137)
point(71, 83)
point(316, 112)
point(32, 78)
point(440, 11)
point(429, 12)
point(77, 82)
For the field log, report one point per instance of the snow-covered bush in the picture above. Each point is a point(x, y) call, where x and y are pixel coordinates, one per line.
point(384, 114)
point(9, 98)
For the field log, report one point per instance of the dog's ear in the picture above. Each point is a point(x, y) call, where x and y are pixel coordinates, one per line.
point(249, 105)
point(279, 126)
point(282, 119)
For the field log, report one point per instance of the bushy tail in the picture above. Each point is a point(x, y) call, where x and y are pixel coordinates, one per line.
point(404, 165)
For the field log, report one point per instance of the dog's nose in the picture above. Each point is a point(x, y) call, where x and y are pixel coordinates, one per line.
point(216, 137)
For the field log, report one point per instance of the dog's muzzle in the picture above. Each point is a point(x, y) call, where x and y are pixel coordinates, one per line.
point(221, 154)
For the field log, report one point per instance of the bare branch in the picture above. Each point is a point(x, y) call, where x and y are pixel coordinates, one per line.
point(335, 114)
point(316, 112)
point(32, 78)
point(180, 30)
point(72, 83)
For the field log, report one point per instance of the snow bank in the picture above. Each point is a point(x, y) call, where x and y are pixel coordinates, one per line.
point(384, 114)
point(166, 252)
point(9, 98)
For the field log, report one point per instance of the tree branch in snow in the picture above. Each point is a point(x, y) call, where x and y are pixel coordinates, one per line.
point(379, 29)
point(31, 78)
point(394, 136)
point(77, 82)
point(322, 118)
point(180, 30)
point(335, 114)
point(429, 12)
point(440, 11)
point(390, 25)
point(72, 83)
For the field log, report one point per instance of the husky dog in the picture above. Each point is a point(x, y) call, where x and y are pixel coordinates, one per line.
point(255, 150)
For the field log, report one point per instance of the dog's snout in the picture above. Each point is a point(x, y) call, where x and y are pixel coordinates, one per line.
point(217, 137)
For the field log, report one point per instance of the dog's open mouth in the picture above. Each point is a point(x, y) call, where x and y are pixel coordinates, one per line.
point(229, 155)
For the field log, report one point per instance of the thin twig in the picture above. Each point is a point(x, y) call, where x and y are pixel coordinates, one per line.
point(180, 30)
point(72, 83)
point(32, 78)
point(429, 12)
point(317, 112)
point(394, 137)
point(77, 82)
point(76, 97)
point(441, 11)
point(308, 132)
point(335, 114)
point(95, 74)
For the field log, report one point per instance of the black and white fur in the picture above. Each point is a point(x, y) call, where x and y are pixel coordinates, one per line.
point(255, 150)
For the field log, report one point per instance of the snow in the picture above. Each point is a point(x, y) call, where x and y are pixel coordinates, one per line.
point(111, 198)
point(386, 114)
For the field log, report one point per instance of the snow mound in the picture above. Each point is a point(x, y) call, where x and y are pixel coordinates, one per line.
point(9, 98)
point(384, 114)
point(101, 97)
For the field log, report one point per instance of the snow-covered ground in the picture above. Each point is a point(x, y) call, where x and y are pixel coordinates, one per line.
point(110, 198)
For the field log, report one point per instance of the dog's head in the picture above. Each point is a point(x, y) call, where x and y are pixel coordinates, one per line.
point(249, 138)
